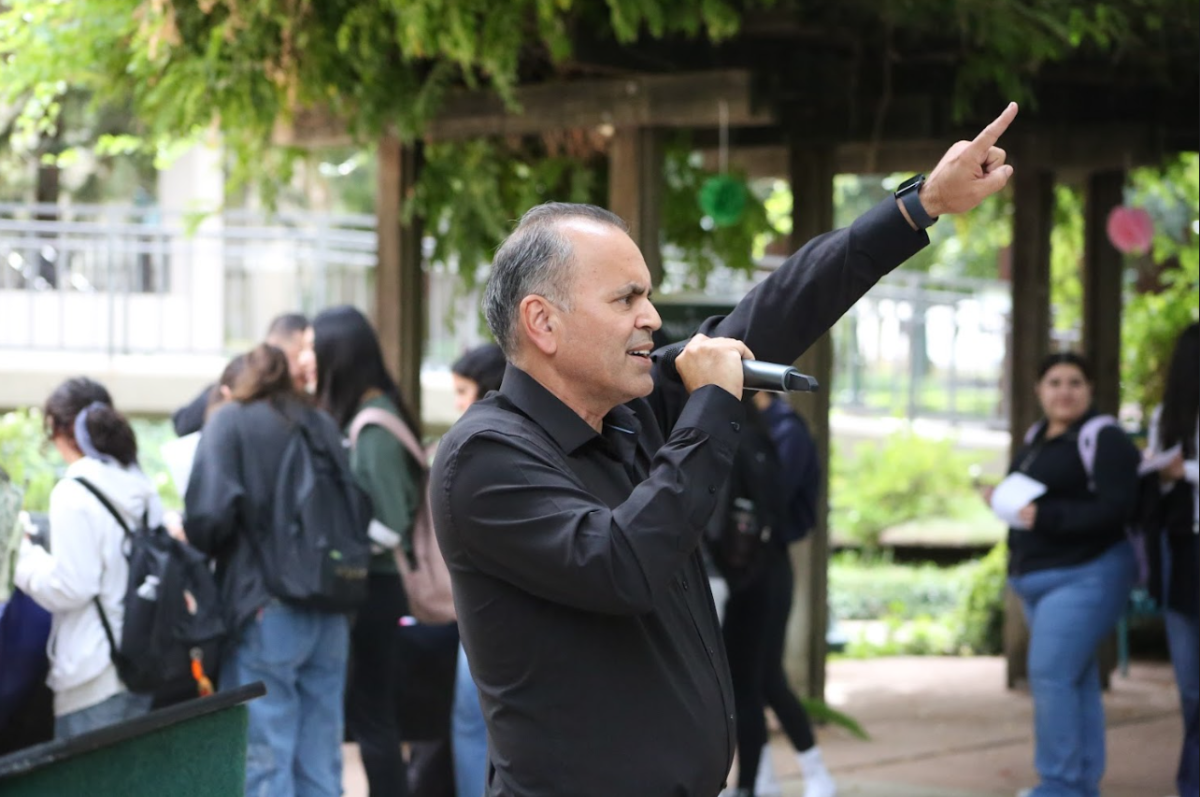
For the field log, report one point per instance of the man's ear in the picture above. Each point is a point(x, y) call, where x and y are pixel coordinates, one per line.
point(539, 320)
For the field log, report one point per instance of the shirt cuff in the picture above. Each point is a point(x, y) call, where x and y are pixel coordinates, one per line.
point(1191, 470)
point(714, 411)
point(884, 229)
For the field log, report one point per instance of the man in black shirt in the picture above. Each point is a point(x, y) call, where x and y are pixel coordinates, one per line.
point(569, 505)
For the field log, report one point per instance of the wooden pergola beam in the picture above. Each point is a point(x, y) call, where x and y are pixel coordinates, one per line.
point(683, 100)
point(811, 178)
point(1108, 148)
point(1102, 271)
point(635, 190)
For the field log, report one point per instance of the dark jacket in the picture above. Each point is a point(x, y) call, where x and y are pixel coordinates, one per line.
point(1075, 524)
point(800, 470)
point(1168, 526)
point(190, 417)
point(232, 486)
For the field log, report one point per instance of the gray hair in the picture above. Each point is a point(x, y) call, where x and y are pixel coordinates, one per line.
point(535, 259)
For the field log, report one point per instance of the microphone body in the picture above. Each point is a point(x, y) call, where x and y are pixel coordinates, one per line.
point(767, 377)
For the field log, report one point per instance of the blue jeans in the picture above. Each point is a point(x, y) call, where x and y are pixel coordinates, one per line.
point(118, 708)
point(295, 729)
point(1183, 638)
point(469, 734)
point(1070, 610)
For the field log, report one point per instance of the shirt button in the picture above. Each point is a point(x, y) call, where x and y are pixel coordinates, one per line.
point(737, 427)
point(712, 490)
point(685, 585)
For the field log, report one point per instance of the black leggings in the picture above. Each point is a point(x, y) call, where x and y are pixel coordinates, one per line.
point(371, 700)
point(755, 625)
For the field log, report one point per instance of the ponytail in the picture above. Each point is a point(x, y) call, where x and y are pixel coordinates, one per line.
point(81, 409)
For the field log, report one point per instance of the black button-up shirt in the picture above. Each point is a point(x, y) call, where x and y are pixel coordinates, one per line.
point(582, 601)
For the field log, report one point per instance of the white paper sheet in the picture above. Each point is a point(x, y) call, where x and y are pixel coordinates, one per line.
point(179, 455)
point(1159, 461)
point(1012, 495)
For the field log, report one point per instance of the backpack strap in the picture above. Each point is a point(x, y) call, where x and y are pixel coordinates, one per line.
point(1089, 435)
point(114, 653)
point(1033, 431)
point(398, 428)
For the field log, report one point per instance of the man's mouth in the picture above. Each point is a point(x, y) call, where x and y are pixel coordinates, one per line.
point(641, 353)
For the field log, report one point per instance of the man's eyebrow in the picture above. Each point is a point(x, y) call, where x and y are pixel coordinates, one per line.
point(635, 288)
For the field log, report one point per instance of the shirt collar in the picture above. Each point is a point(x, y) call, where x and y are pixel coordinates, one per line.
point(570, 431)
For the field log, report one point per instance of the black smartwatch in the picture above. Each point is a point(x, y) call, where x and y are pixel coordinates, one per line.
point(907, 195)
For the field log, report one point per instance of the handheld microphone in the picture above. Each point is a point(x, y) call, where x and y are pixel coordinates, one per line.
point(767, 377)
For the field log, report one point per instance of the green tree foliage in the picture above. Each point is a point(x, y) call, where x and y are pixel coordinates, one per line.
point(696, 240)
point(247, 65)
point(471, 192)
point(1153, 318)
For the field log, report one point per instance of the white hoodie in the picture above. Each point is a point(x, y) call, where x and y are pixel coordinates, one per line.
point(86, 559)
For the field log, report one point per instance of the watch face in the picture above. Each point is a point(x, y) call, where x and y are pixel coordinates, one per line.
point(916, 179)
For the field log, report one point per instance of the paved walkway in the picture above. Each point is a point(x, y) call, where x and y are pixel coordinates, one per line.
point(947, 727)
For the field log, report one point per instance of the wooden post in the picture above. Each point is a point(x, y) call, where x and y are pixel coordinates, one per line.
point(399, 280)
point(811, 175)
point(635, 189)
point(1033, 213)
point(1102, 267)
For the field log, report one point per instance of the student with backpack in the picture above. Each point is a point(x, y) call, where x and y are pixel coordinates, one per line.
point(81, 580)
point(351, 379)
point(1073, 566)
point(272, 499)
point(770, 503)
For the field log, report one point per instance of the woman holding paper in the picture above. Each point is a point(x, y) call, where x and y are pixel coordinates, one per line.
point(1175, 438)
point(1072, 567)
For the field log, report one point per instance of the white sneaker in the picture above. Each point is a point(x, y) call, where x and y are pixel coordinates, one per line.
point(817, 780)
point(820, 787)
point(765, 782)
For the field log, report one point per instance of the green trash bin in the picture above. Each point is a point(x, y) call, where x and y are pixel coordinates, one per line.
point(192, 749)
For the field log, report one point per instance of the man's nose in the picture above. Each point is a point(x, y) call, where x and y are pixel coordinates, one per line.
point(651, 320)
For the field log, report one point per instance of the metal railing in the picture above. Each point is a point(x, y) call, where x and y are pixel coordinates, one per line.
point(129, 279)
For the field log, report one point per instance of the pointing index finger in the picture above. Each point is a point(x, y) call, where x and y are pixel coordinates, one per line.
point(991, 134)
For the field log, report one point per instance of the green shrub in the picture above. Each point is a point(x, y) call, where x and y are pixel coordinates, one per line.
point(861, 589)
point(921, 636)
point(33, 462)
point(980, 616)
point(30, 459)
point(903, 478)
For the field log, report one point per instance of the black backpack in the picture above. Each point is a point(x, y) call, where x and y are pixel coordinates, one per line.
point(750, 509)
point(315, 550)
point(173, 622)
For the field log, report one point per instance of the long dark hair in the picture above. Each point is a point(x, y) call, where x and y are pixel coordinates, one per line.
point(1181, 401)
point(350, 363)
point(108, 429)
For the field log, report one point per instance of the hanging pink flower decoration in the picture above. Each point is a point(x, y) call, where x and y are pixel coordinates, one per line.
point(1131, 230)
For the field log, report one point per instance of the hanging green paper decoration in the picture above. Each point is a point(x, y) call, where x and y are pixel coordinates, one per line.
point(723, 199)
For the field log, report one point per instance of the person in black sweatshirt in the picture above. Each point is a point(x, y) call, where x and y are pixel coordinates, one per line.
point(1073, 567)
